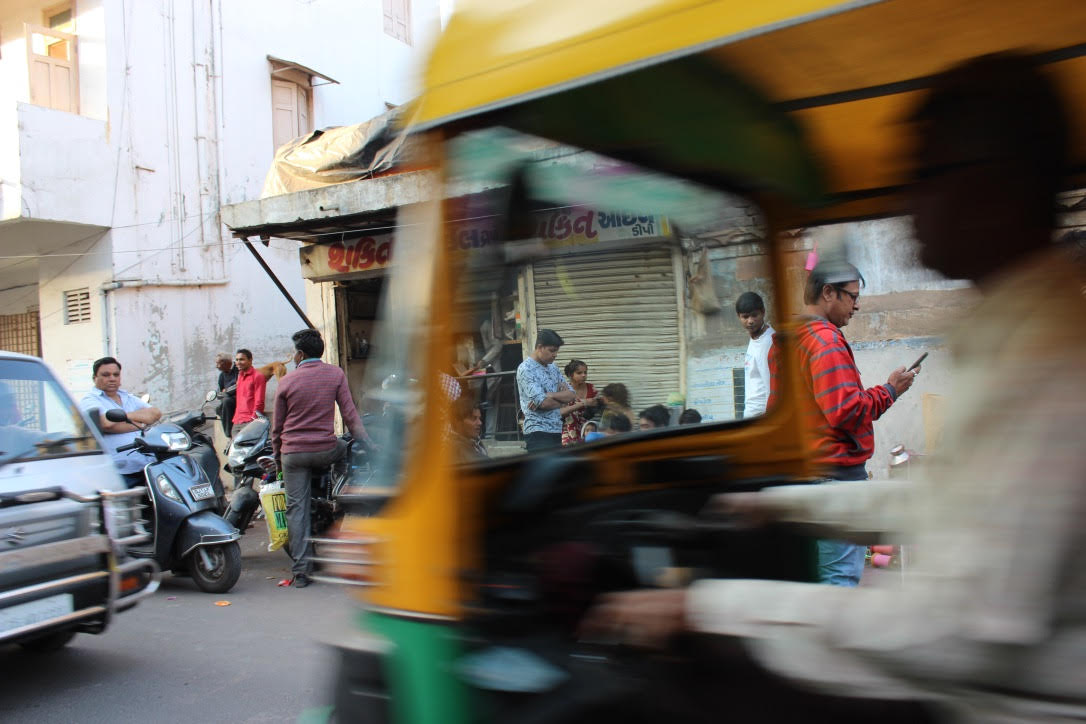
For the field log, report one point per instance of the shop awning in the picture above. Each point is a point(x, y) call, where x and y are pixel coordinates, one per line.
point(280, 64)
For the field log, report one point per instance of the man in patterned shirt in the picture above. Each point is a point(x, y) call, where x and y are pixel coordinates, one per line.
point(543, 390)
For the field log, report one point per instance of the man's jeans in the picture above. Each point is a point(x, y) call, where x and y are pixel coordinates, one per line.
point(297, 471)
point(841, 563)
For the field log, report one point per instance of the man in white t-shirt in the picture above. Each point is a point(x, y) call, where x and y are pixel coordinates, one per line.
point(751, 312)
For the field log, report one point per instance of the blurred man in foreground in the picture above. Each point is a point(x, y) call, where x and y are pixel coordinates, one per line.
point(992, 618)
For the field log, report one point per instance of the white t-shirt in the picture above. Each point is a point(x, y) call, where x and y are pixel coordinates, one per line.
point(756, 374)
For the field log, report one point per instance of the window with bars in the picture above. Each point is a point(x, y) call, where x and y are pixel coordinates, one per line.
point(21, 333)
point(739, 388)
point(77, 306)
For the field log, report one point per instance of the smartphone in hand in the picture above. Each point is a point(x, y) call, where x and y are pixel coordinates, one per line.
point(916, 364)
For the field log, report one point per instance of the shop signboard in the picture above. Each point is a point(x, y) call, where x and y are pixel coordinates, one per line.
point(351, 256)
point(570, 228)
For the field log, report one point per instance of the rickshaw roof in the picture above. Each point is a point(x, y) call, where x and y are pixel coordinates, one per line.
point(774, 85)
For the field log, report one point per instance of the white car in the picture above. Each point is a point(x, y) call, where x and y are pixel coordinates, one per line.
point(65, 516)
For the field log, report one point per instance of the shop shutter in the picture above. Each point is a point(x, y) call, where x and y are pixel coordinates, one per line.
point(619, 313)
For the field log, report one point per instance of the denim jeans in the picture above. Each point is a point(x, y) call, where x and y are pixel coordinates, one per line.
point(841, 563)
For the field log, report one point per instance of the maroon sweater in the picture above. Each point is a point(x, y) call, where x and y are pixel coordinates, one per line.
point(837, 407)
point(304, 414)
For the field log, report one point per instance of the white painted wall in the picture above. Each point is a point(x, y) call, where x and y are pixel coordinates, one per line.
point(343, 39)
point(19, 297)
point(66, 344)
point(176, 97)
point(886, 253)
point(11, 191)
point(67, 166)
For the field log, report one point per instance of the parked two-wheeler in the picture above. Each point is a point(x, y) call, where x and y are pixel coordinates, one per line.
point(194, 422)
point(189, 534)
point(250, 460)
point(250, 444)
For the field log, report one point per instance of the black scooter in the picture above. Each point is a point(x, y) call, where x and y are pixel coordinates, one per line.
point(195, 423)
point(250, 459)
point(189, 535)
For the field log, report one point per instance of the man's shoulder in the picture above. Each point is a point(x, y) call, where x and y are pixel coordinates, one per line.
point(817, 328)
point(311, 370)
point(92, 397)
point(329, 371)
point(528, 365)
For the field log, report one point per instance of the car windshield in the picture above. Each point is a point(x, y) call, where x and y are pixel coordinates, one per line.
point(37, 416)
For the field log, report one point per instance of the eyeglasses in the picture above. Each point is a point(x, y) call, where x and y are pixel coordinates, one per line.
point(855, 295)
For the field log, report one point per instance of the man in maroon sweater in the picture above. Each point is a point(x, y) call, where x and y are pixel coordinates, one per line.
point(304, 438)
point(838, 410)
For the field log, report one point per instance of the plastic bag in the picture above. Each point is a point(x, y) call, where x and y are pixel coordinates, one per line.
point(273, 499)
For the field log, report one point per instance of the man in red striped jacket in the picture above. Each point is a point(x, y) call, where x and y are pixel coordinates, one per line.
point(839, 411)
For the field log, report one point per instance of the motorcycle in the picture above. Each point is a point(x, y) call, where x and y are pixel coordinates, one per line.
point(250, 460)
point(189, 536)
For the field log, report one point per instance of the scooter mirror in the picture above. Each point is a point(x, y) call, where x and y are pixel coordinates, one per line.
point(116, 416)
point(210, 396)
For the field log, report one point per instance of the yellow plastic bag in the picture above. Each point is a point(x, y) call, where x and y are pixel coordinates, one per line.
point(274, 501)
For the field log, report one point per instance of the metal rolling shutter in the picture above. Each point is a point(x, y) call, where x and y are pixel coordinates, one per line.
point(617, 312)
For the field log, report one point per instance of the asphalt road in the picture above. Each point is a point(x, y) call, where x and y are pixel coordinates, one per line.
point(177, 657)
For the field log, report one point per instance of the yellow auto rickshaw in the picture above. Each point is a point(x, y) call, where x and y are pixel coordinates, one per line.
point(590, 152)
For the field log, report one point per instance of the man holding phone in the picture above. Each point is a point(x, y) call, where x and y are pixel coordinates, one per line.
point(837, 408)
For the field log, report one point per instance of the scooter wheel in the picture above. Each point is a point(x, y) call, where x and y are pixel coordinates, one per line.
point(224, 571)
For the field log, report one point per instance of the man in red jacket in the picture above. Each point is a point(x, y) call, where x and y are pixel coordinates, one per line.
point(249, 398)
point(838, 410)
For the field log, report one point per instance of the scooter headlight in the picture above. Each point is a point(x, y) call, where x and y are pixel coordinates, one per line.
point(176, 440)
point(166, 488)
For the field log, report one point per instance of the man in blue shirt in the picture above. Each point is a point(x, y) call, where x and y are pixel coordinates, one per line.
point(108, 395)
point(543, 391)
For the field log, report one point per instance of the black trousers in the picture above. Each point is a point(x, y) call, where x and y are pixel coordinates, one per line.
point(542, 441)
point(226, 416)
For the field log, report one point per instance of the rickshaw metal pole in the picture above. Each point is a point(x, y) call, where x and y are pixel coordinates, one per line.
point(283, 290)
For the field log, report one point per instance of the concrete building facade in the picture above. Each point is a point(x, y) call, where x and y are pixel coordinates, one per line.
point(125, 125)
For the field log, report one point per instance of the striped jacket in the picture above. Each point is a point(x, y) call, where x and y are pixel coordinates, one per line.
point(840, 411)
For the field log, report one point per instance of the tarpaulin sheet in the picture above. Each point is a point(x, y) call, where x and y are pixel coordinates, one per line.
point(335, 155)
